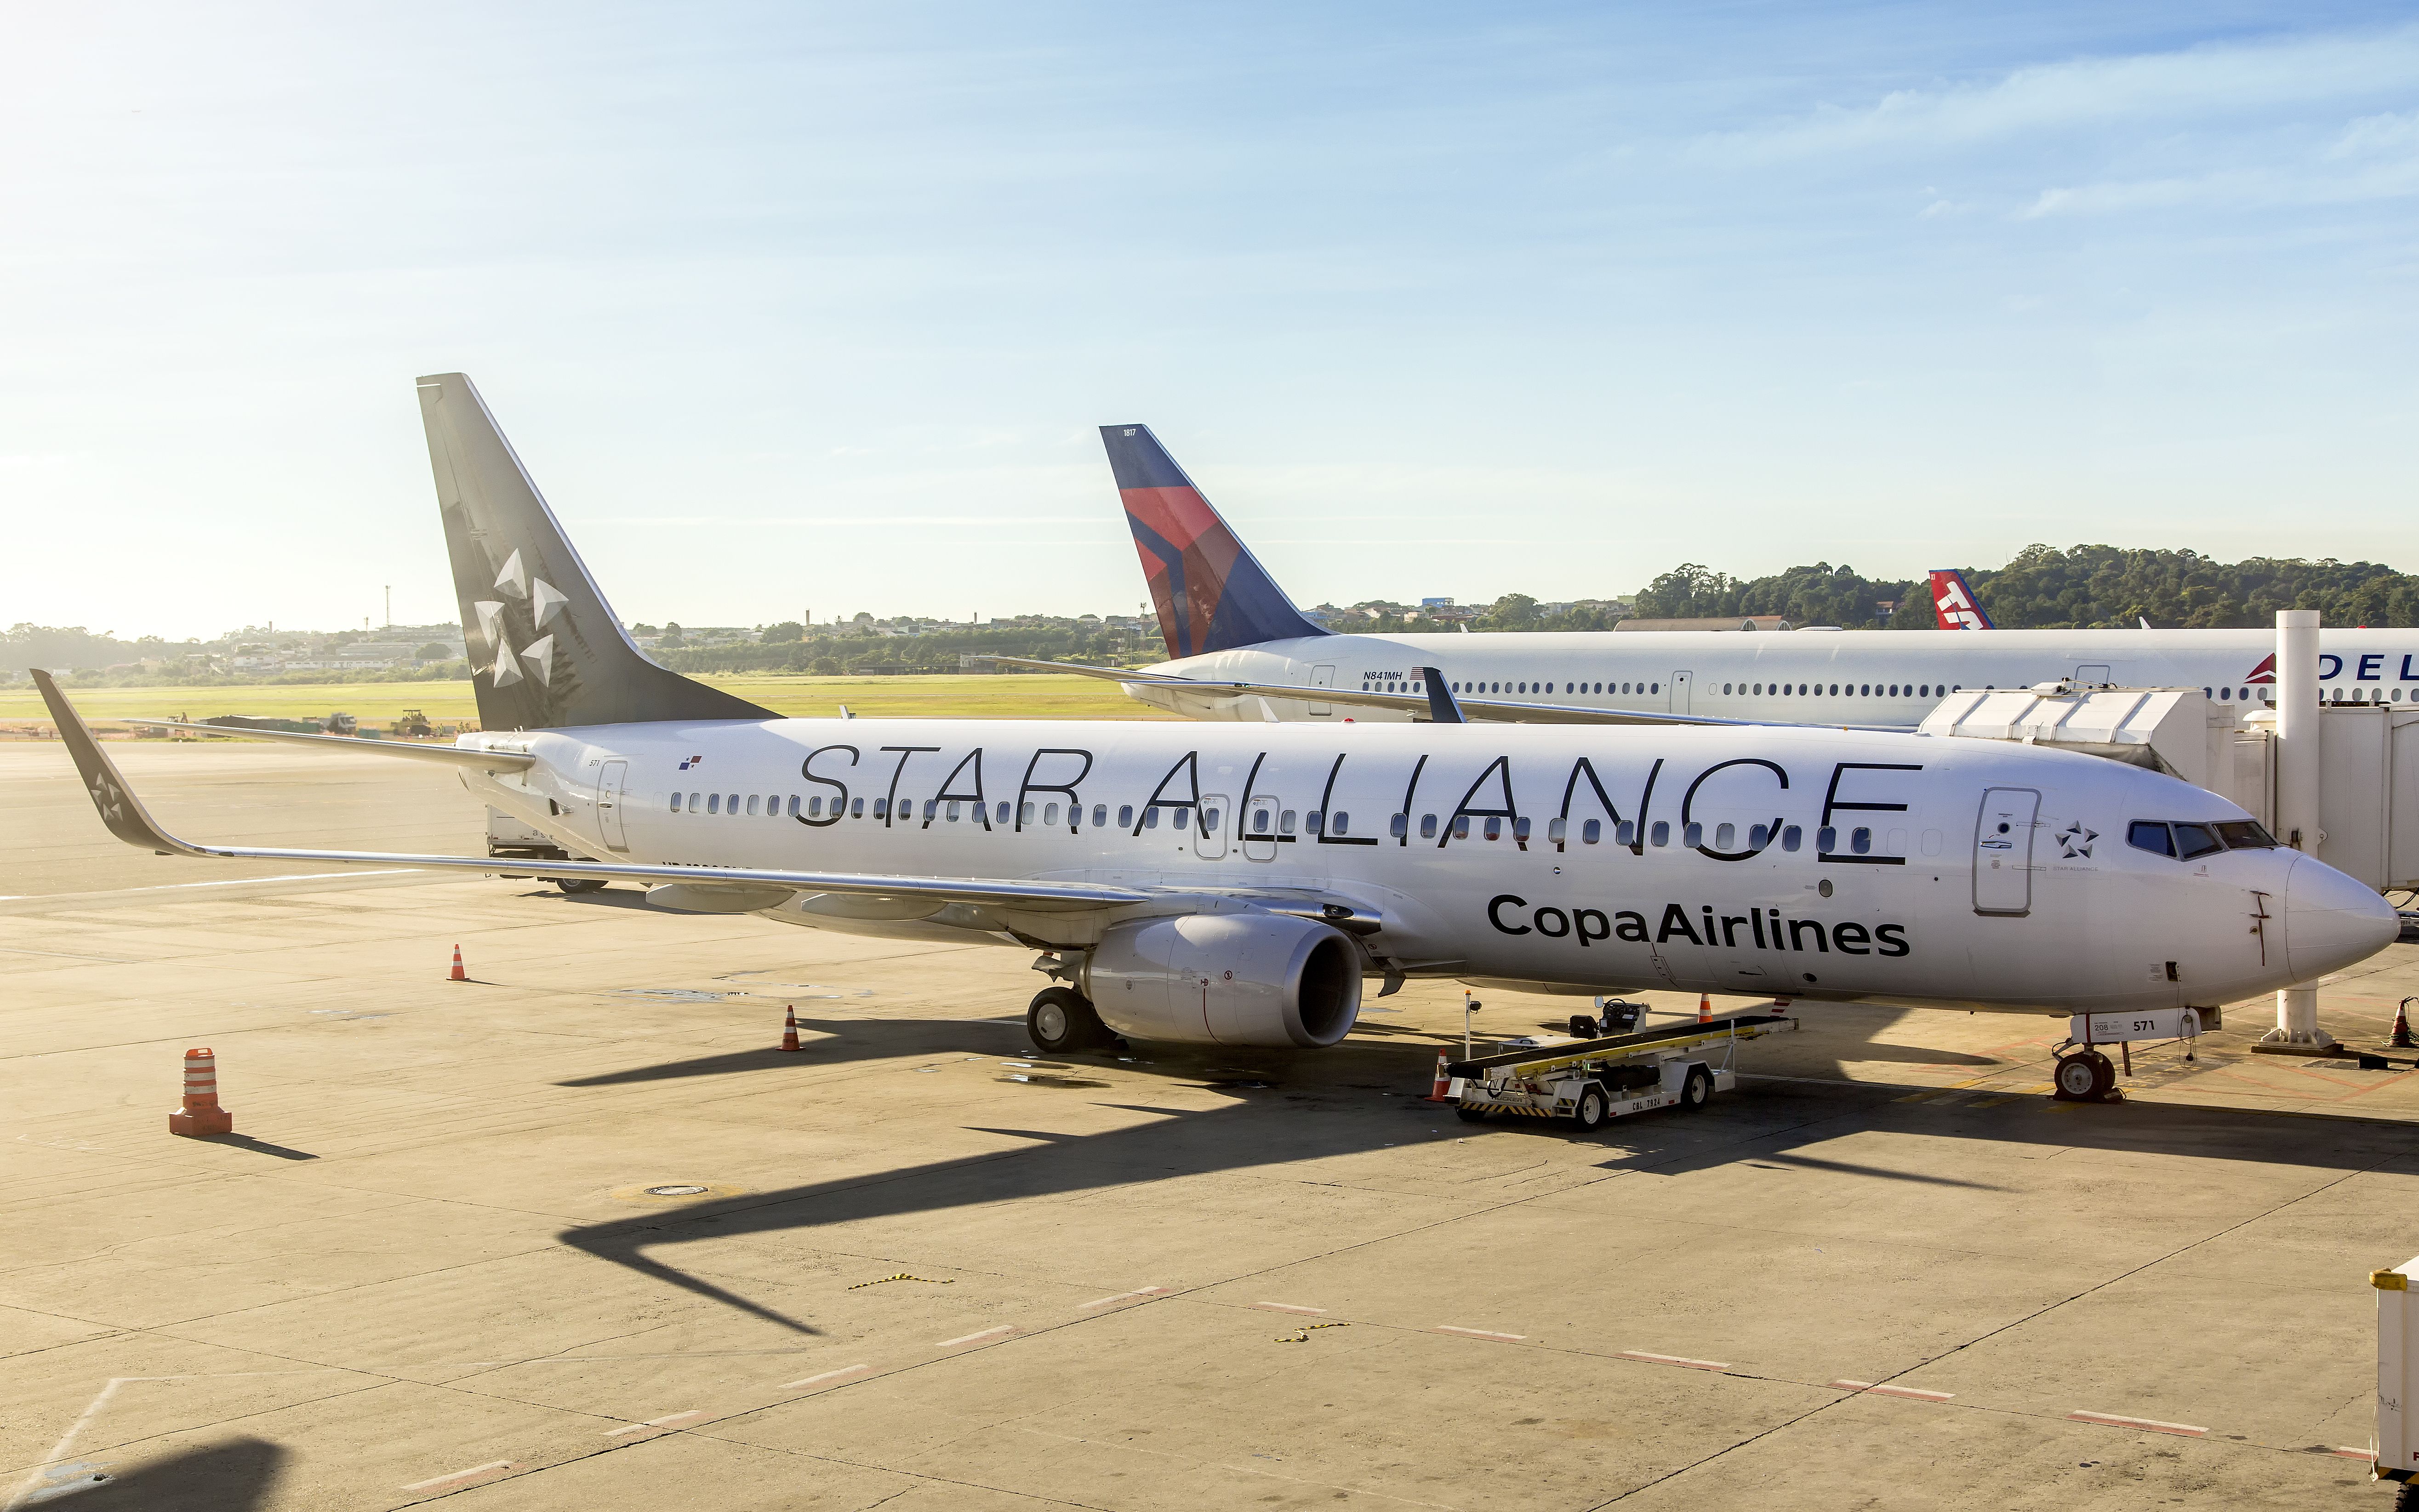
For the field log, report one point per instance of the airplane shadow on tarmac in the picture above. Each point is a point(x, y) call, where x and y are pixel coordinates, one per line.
point(223, 1477)
point(1764, 1122)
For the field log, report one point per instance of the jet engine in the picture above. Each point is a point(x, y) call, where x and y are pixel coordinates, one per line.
point(1226, 978)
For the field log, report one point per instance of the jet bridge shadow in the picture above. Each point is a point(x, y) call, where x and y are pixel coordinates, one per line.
point(1768, 1122)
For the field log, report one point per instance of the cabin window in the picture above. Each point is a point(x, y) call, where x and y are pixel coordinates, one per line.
point(1758, 688)
point(1494, 827)
point(1827, 840)
point(752, 801)
point(857, 809)
point(882, 808)
point(1520, 830)
point(1726, 687)
point(815, 807)
point(1427, 827)
point(1556, 829)
point(692, 802)
point(1050, 812)
point(713, 803)
point(1757, 837)
point(1125, 816)
point(1284, 822)
point(1341, 823)
point(1100, 815)
point(1260, 821)
point(1183, 817)
point(1024, 813)
point(1208, 820)
point(999, 817)
point(1151, 819)
point(1661, 834)
point(952, 810)
point(1524, 688)
point(1862, 840)
point(1865, 691)
point(1624, 833)
point(1461, 827)
point(1310, 823)
point(1399, 827)
point(1792, 837)
point(794, 805)
point(1654, 688)
point(676, 798)
point(1725, 836)
point(1591, 832)
point(1625, 688)
point(1692, 835)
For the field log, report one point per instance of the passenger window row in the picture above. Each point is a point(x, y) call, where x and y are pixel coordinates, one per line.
point(1614, 690)
point(2188, 842)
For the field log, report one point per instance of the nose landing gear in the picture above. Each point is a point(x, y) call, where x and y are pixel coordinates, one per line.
point(2086, 1076)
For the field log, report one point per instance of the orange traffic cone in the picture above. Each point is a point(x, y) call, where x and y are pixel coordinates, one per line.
point(201, 1115)
point(1439, 1092)
point(789, 1030)
point(2402, 1039)
point(457, 973)
point(1705, 1008)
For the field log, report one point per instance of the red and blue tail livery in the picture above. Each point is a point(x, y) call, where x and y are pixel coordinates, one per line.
point(1212, 593)
point(1953, 601)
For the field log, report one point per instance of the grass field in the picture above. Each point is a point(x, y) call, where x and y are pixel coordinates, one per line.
point(377, 704)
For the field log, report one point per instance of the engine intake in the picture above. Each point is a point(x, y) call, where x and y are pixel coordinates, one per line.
point(1226, 978)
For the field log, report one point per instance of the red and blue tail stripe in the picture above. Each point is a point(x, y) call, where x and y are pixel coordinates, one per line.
point(1212, 593)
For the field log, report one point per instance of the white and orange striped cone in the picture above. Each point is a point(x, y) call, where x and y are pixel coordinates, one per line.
point(1705, 1008)
point(457, 973)
point(789, 1030)
point(2401, 1040)
point(1442, 1091)
point(201, 1115)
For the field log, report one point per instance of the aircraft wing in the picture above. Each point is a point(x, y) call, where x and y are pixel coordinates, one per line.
point(129, 820)
point(1506, 711)
point(473, 756)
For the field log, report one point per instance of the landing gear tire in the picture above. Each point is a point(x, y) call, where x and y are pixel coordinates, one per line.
point(1061, 1020)
point(1697, 1091)
point(1468, 1115)
point(1590, 1113)
point(2085, 1076)
point(579, 884)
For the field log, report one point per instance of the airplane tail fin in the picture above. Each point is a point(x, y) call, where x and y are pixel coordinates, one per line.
point(1954, 602)
point(545, 649)
point(1213, 595)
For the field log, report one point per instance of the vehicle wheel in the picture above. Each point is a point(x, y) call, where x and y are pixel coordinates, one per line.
point(2084, 1077)
point(1467, 1114)
point(1582, 1026)
point(1061, 1020)
point(1697, 1091)
point(1590, 1115)
point(579, 884)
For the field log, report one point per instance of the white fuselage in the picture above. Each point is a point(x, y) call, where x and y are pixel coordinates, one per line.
point(1862, 677)
point(1799, 862)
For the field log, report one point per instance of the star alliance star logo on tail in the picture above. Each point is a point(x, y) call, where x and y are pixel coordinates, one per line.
point(546, 601)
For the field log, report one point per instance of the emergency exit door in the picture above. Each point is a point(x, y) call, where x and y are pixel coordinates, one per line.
point(2003, 852)
point(609, 804)
point(1322, 675)
point(1680, 682)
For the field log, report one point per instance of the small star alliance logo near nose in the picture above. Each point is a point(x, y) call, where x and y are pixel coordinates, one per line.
point(2074, 841)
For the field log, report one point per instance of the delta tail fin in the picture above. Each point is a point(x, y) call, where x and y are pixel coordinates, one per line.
point(546, 651)
point(1954, 602)
point(1213, 595)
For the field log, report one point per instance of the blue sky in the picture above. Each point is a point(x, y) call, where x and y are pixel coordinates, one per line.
point(793, 309)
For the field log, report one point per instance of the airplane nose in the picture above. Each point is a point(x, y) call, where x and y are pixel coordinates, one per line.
point(2332, 920)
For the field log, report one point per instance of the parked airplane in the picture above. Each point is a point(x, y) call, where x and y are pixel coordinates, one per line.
point(1203, 885)
point(1238, 649)
point(1955, 605)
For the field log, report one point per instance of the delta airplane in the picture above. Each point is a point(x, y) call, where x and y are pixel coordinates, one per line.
point(1238, 649)
point(1210, 884)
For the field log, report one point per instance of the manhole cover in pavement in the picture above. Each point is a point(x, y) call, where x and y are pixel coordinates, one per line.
point(674, 1191)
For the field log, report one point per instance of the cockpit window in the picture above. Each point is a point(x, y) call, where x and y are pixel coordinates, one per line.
point(2188, 841)
point(2192, 840)
point(2150, 835)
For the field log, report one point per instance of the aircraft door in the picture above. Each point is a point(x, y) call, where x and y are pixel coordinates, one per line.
point(1323, 676)
point(2003, 852)
point(610, 783)
point(1679, 686)
point(2093, 672)
point(1259, 831)
point(1209, 824)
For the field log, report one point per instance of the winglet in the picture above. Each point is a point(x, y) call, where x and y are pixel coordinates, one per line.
point(1443, 709)
point(121, 809)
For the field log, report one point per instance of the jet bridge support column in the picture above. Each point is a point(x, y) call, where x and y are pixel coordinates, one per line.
point(2299, 722)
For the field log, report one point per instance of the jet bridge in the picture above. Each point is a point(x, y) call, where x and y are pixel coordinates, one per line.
point(2368, 762)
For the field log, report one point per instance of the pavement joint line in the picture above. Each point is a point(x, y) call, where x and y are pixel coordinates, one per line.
point(457, 1477)
point(828, 1375)
point(2153, 1425)
point(668, 1421)
point(1001, 1331)
point(1478, 1333)
point(1911, 1393)
point(1644, 1357)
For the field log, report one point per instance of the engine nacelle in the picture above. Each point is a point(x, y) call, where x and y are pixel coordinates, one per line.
point(1226, 978)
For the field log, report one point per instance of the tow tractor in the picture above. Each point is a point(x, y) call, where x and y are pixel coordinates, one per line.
point(1588, 1081)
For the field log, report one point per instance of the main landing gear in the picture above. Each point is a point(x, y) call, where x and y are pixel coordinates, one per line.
point(2085, 1076)
point(1061, 1020)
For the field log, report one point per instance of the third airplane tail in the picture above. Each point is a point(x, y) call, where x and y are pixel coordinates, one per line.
point(1213, 595)
point(1953, 601)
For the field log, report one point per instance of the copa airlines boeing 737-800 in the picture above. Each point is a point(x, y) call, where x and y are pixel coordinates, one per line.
point(1238, 649)
point(1235, 884)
